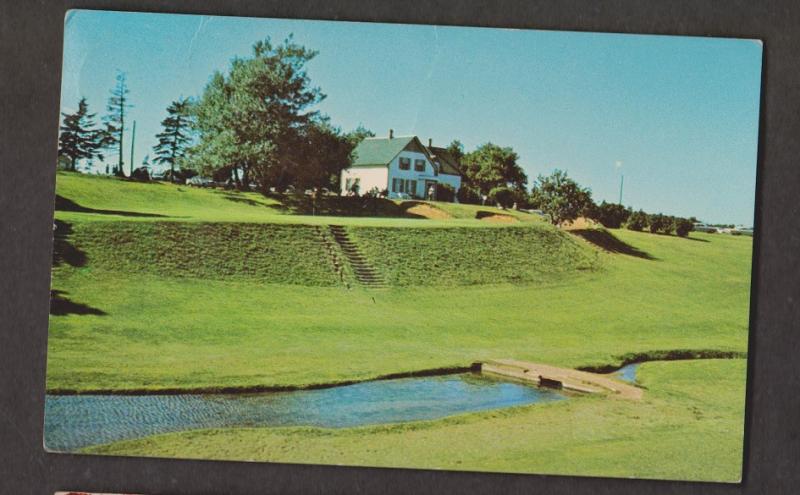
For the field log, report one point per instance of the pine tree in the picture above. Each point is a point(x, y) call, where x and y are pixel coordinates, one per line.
point(115, 120)
point(175, 138)
point(79, 139)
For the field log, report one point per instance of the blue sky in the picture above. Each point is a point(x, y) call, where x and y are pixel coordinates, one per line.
point(678, 116)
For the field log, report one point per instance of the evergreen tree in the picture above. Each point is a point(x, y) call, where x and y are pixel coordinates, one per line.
point(253, 117)
point(115, 120)
point(79, 139)
point(176, 136)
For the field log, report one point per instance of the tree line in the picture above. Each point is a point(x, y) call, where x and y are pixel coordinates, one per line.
point(253, 125)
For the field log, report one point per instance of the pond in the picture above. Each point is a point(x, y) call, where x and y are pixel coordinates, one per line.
point(76, 421)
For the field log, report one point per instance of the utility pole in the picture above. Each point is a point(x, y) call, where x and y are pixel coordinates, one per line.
point(621, 180)
point(133, 141)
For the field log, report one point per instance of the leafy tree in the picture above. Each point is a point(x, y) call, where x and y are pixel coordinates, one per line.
point(638, 221)
point(491, 166)
point(611, 215)
point(254, 116)
point(79, 139)
point(359, 134)
point(115, 120)
point(456, 150)
point(176, 136)
point(322, 151)
point(560, 197)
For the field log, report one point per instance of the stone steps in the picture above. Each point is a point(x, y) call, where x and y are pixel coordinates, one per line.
point(364, 272)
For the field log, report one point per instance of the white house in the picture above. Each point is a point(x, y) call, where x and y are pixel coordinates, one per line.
point(401, 165)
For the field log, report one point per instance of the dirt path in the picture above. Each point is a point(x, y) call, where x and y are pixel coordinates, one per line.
point(566, 378)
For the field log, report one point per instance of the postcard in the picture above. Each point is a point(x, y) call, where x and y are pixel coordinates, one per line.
point(405, 246)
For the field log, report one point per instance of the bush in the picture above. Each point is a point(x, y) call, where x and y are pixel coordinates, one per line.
point(638, 221)
point(611, 215)
point(468, 195)
point(683, 226)
point(445, 192)
point(661, 224)
point(502, 196)
point(141, 174)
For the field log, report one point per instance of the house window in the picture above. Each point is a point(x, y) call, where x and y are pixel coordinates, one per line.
point(419, 165)
point(412, 187)
point(405, 163)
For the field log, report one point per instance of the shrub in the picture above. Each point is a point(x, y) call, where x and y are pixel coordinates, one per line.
point(662, 224)
point(683, 227)
point(468, 195)
point(638, 221)
point(141, 174)
point(445, 192)
point(502, 195)
point(611, 215)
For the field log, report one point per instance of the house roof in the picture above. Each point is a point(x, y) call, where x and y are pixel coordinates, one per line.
point(377, 152)
point(447, 164)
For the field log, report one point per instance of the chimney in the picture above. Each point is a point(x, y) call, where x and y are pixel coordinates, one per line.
point(391, 133)
point(430, 142)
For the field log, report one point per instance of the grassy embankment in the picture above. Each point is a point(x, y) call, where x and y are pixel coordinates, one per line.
point(191, 305)
point(161, 316)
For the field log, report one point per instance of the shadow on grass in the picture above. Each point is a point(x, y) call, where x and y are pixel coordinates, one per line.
point(302, 204)
point(481, 214)
point(240, 199)
point(64, 204)
point(61, 305)
point(607, 241)
point(63, 250)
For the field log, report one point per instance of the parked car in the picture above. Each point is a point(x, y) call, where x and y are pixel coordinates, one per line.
point(701, 227)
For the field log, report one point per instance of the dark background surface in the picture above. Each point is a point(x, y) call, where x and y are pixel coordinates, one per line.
point(31, 34)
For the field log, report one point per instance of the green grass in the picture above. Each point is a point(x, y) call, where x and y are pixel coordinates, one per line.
point(163, 332)
point(96, 198)
point(689, 426)
point(265, 253)
point(235, 293)
point(466, 256)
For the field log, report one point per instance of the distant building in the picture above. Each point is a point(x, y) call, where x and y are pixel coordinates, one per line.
point(401, 165)
point(701, 227)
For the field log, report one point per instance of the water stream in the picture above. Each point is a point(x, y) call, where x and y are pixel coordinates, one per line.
point(76, 421)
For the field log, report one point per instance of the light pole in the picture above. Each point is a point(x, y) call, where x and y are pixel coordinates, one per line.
point(133, 141)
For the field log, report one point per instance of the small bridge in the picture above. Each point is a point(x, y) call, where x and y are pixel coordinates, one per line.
point(562, 378)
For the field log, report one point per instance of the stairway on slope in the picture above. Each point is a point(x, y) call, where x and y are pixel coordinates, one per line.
point(364, 272)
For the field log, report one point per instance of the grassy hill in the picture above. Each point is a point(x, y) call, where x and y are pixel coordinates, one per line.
point(468, 256)
point(174, 231)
